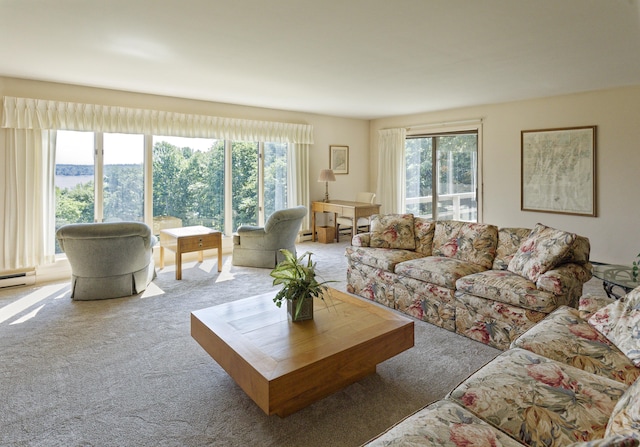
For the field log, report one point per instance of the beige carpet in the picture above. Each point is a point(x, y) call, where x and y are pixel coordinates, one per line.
point(126, 372)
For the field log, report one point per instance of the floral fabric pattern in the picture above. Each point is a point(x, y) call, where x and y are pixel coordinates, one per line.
point(625, 418)
point(539, 401)
point(509, 240)
point(620, 323)
point(470, 242)
point(613, 441)
point(543, 249)
point(509, 288)
point(491, 322)
point(437, 270)
point(371, 283)
point(382, 258)
point(565, 337)
point(425, 301)
point(565, 280)
point(589, 304)
point(392, 231)
point(424, 230)
point(443, 423)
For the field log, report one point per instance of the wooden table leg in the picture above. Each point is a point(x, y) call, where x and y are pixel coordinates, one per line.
point(313, 226)
point(161, 257)
point(220, 257)
point(178, 264)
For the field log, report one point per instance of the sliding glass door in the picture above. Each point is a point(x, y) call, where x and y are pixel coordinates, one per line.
point(442, 176)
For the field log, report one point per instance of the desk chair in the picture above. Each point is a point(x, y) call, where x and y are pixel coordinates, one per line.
point(363, 222)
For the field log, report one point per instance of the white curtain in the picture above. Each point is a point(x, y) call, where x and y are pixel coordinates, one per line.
point(298, 178)
point(391, 170)
point(26, 199)
point(26, 113)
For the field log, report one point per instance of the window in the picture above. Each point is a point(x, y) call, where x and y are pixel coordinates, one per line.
point(442, 169)
point(194, 181)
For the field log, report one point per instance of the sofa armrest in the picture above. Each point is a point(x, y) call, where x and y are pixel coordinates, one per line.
point(564, 278)
point(589, 304)
point(361, 240)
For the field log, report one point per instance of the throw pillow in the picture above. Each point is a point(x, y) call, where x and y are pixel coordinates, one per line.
point(614, 441)
point(620, 323)
point(392, 231)
point(541, 251)
point(625, 418)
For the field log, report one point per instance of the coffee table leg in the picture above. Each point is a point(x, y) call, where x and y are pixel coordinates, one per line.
point(219, 249)
point(161, 257)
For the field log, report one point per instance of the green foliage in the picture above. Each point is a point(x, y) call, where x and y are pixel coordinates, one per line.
point(298, 278)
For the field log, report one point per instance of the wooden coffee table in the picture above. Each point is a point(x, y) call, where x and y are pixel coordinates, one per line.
point(285, 366)
point(188, 239)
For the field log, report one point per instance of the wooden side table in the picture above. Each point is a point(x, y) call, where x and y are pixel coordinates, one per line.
point(189, 239)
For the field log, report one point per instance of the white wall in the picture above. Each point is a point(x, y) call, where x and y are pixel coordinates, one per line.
point(615, 232)
point(327, 130)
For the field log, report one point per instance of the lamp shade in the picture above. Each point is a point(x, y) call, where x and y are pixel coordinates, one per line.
point(326, 175)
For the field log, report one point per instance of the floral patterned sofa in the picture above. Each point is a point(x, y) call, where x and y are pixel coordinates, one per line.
point(485, 283)
point(570, 380)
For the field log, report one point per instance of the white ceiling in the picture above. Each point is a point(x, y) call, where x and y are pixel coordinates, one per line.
point(353, 58)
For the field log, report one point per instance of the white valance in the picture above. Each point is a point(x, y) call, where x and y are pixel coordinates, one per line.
point(27, 113)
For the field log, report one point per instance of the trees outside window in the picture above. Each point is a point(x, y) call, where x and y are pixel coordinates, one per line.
point(216, 183)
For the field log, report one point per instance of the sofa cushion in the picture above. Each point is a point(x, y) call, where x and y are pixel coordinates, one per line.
point(510, 288)
point(539, 401)
point(611, 441)
point(467, 241)
point(509, 240)
point(382, 258)
point(620, 323)
point(392, 231)
point(567, 338)
point(625, 418)
point(437, 270)
point(424, 229)
point(544, 248)
point(443, 423)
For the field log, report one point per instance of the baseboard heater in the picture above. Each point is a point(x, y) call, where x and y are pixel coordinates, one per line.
point(18, 279)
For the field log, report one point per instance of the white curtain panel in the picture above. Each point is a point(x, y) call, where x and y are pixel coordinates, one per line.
point(26, 199)
point(298, 178)
point(391, 170)
point(27, 113)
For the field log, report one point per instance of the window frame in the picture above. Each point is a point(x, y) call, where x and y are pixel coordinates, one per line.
point(435, 130)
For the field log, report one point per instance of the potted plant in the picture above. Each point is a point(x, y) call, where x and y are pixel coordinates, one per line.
point(300, 285)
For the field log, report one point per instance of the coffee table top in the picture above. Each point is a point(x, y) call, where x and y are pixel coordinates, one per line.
point(265, 337)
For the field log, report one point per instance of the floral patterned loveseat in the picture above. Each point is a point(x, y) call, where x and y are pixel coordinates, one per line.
point(570, 380)
point(485, 283)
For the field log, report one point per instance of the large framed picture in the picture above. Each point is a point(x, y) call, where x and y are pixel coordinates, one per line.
point(339, 159)
point(558, 170)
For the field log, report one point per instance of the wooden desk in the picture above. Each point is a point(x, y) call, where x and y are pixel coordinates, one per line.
point(285, 366)
point(344, 208)
point(188, 239)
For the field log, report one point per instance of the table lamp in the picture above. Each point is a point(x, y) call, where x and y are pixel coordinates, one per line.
point(326, 176)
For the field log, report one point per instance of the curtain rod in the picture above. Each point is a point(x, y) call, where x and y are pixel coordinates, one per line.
point(444, 124)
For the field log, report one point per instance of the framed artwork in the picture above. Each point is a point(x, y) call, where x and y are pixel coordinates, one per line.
point(558, 170)
point(339, 159)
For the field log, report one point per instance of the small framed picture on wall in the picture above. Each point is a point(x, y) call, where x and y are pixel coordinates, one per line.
point(339, 159)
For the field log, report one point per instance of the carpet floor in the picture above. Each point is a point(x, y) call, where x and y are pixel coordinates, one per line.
point(126, 372)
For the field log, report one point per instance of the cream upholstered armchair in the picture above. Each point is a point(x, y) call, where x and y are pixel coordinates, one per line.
point(260, 246)
point(347, 222)
point(108, 260)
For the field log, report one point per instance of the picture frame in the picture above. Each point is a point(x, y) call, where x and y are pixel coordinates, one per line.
point(558, 170)
point(339, 159)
